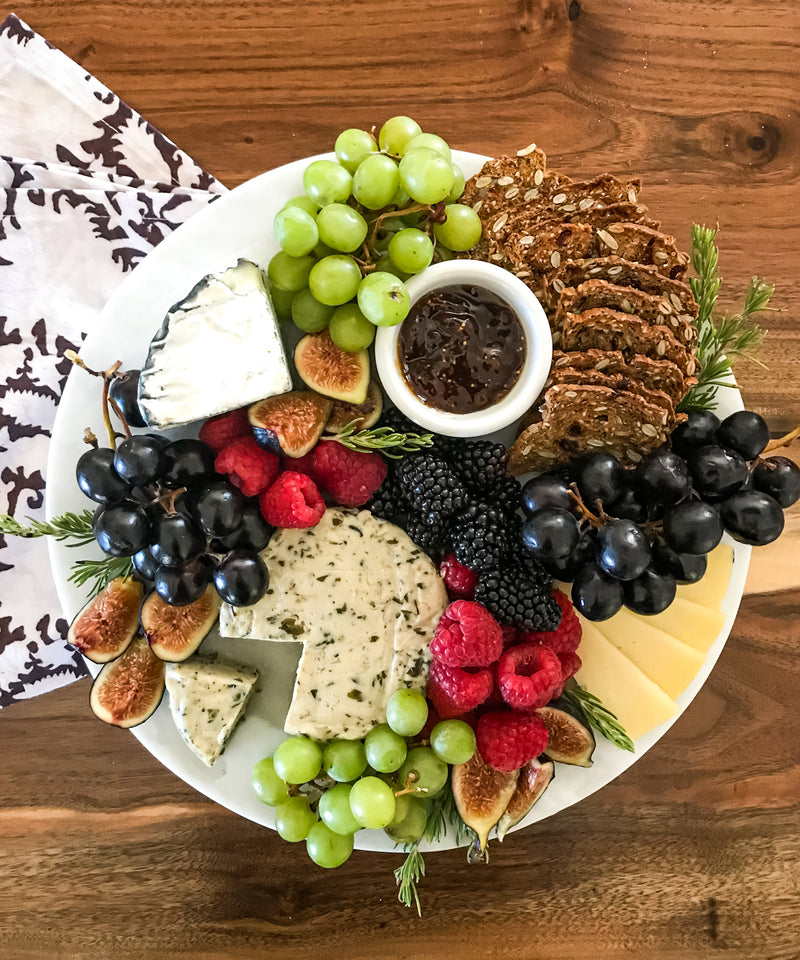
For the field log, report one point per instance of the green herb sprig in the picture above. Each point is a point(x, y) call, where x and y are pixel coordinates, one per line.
point(101, 572)
point(598, 716)
point(387, 441)
point(720, 342)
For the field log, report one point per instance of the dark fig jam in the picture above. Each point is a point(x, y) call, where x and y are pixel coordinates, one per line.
point(461, 349)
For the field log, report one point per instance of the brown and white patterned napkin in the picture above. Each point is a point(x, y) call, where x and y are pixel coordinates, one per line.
point(87, 188)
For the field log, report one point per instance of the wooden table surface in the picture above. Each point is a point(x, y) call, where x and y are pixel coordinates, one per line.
point(694, 852)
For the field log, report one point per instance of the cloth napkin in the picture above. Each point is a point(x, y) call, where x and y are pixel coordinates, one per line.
point(87, 189)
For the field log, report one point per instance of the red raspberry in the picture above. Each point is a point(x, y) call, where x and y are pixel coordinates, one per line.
point(350, 476)
point(454, 691)
point(467, 635)
point(508, 740)
point(430, 723)
point(510, 636)
point(218, 432)
point(292, 501)
point(302, 464)
point(527, 675)
point(566, 637)
point(459, 580)
point(570, 665)
point(248, 466)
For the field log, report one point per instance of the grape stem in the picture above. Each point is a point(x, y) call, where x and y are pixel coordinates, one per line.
point(411, 779)
point(376, 223)
point(107, 376)
point(783, 441)
point(585, 512)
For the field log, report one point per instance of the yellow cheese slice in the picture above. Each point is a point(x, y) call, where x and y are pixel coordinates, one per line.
point(667, 661)
point(711, 590)
point(638, 703)
point(690, 622)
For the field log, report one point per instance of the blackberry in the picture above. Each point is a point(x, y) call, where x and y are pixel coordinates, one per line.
point(506, 495)
point(481, 464)
point(431, 537)
point(388, 502)
point(518, 601)
point(431, 487)
point(520, 561)
point(479, 537)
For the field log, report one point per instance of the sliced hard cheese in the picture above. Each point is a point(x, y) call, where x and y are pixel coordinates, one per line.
point(690, 622)
point(666, 660)
point(207, 699)
point(638, 703)
point(711, 589)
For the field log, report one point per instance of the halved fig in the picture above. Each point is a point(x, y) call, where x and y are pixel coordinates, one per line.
point(482, 795)
point(570, 741)
point(331, 371)
point(534, 778)
point(127, 691)
point(290, 423)
point(107, 624)
point(364, 414)
point(174, 633)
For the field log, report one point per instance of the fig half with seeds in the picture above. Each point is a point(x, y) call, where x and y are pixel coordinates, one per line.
point(331, 371)
point(290, 423)
point(569, 741)
point(482, 795)
point(534, 779)
point(127, 691)
point(174, 633)
point(108, 622)
point(365, 415)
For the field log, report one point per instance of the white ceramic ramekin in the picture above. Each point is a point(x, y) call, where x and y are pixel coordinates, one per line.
point(538, 352)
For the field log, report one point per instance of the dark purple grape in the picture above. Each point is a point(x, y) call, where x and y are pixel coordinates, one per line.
point(550, 534)
point(693, 527)
point(187, 463)
point(622, 549)
point(124, 391)
point(650, 592)
point(596, 595)
point(583, 553)
point(176, 540)
point(97, 477)
point(600, 477)
point(745, 432)
point(123, 529)
point(698, 430)
point(253, 533)
point(139, 459)
point(241, 578)
point(144, 564)
point(752, 517)
point(684, 568)
point(217, 508)
point(717, 471)
point(178, 586)
point(779, 477)
point(662, 477)
point(628, 507)
point(547, 490)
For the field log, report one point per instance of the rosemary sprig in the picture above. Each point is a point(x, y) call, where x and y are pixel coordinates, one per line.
point(598, 716)
point(69, 525)
point(409, 875)
point(390, 443)
point(102, 572)
point(720, 342)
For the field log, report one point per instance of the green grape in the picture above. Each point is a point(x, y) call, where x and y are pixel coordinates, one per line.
point(458, 184)
point(443, 253)
point(289, 273)
point(350, 330)
point(396, 132)
point(385, 265)
point(352, 146)
point(297, 760)
point(268, 786)
point(294, 818)
point(372, 802)
point(344, 759)
point(335, 279)
point(401, 198)
point(412, 825)
point(296, 231)
point(326, 181)
point(376, 181)
point(401, 808)
point(383, 299)
point(453, 741)
point(323, 250)
point(310, 315)
point(305, 203)
point(407, 712)
point(341, 227)
point(427, 772)
point(334, 810)
point(461, 229)
point(282, 301)
point(385, 749)
point(431, 142)
point(427, 176)
point(326, 848)
point(411, 250)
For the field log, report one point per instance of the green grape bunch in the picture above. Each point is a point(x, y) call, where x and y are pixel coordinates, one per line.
point(382, 211)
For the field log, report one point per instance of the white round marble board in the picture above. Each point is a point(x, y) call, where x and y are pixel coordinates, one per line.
point(239, 224)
